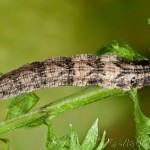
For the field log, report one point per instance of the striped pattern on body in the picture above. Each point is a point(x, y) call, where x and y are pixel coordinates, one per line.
point(108, 71)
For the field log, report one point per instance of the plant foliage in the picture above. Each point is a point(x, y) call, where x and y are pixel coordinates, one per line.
point(19, 115)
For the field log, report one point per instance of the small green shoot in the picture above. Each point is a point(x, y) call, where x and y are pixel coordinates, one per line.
point(21, 104)
point(91, 138)
point(142, 124)
point(71, 142)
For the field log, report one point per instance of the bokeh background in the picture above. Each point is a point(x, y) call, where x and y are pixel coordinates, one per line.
point(33, 30)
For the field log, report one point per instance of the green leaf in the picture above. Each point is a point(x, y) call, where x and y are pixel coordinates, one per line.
point(54, 143)
point(21, 104)
point(91, 138)
point(58, 143)
point(6, 141)
point(142, 124)
point(102, 143)
point(121, 49)
point(74, 142)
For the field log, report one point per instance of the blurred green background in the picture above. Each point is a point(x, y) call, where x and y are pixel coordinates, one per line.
point(33, 30)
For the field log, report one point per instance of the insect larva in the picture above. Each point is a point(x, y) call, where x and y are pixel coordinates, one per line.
point(108, 71)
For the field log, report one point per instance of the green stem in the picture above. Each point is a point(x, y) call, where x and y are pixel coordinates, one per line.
point(51, 110)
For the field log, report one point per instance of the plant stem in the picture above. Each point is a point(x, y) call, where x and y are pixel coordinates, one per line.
point(53, 109)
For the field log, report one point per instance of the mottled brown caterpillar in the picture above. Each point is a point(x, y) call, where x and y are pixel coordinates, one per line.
point(108, 71)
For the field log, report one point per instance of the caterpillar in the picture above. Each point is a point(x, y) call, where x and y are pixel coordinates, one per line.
point(108, 71)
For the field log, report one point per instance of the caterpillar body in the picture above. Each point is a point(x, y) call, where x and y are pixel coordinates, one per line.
point(108, 71)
